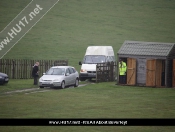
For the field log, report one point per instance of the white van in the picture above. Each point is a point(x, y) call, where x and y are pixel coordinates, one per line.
point(94, 55)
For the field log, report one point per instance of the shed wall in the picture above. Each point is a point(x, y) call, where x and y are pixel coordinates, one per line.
point(164, 53)
point(168, 73)
point(142, 65)
point(141, 71)
point(172, 53)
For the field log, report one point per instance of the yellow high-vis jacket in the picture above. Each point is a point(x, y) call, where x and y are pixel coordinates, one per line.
point(122, 68)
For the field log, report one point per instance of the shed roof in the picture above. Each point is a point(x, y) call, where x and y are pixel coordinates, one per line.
point(146, 48)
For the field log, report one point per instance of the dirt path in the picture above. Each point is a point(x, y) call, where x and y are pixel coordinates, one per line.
point(34, 90)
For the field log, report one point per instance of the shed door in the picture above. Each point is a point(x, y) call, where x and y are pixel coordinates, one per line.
point(173, 83)
point(158, 74)
point(150, 72)
point(154, 73)
point(131, 71)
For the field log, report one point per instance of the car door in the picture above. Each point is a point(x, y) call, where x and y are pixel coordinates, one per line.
point(72, 76)
point(67, 77)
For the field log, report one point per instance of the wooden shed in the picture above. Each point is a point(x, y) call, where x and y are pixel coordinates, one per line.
point(149, 63)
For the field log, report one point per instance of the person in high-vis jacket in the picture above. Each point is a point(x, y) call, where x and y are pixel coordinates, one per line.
point(122, 72)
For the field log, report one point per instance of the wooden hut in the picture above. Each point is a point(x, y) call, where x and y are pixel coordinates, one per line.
point(149, 63)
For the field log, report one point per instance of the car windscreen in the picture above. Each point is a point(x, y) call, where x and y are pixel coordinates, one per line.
point(93, 59)
point(55, 71)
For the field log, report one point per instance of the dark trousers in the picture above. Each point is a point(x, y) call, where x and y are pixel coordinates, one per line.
point(35, 80)
point(122, 79)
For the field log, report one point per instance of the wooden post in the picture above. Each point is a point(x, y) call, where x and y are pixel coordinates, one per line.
point(112, 71)
point(13, 69)
point(97, 73)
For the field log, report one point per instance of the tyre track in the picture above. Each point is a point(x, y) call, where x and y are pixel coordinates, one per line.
point(34, 90)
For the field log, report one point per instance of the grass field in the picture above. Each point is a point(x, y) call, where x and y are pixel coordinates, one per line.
point(66, 30)
point(64, 33)
point(102, 100)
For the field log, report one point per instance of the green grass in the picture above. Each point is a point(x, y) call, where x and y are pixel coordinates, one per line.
point(66, 30)
point(17, 84)
point(64, 33)
point(102, 100)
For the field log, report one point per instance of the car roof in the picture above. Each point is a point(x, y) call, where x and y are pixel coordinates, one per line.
point(3, 74)
point(61, 67)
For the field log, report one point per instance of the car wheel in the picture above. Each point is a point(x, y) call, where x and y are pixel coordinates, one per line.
point(76, 83)
point(41, 87)
point(63, 85)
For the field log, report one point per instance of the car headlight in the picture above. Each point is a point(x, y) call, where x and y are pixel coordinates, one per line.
point(83, 70)
point(0, 76)
point(40, 79)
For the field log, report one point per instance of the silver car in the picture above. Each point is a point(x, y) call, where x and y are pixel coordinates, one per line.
point(59, 76)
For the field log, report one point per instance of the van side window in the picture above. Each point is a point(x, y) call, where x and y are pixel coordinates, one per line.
point(111, 58)
point(107, 59)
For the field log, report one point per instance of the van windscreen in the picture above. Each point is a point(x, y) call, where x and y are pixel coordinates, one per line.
point(93, 59)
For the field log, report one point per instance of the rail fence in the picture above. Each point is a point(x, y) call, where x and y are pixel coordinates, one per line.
point(106, 72)
point(22, 69)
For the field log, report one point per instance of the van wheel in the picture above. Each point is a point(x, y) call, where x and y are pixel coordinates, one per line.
point(63, 85)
